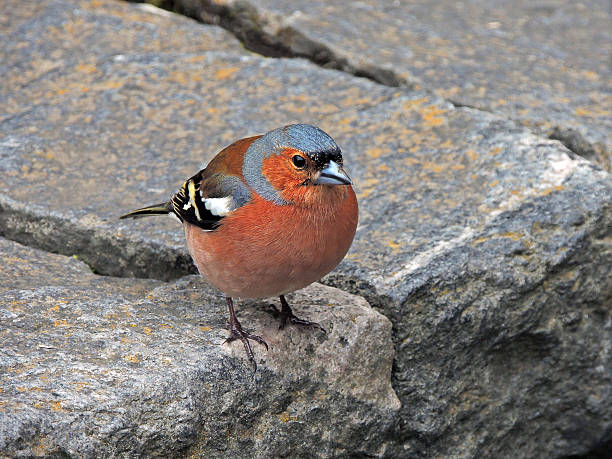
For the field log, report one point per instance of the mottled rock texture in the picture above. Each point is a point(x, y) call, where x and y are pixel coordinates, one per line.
point(102, 366)
point(545, 64)
point(487, 246)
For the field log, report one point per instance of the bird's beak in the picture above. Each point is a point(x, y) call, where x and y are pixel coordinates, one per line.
point(333, 174)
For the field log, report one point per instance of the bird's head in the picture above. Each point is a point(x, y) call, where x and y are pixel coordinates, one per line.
point(295, 164)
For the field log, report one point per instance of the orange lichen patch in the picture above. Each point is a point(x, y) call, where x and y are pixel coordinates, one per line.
point(446, 93)
point(496, 150)
point(394, 245)
point(549, 190)
point(446, 144)
point(412, 104)
point(361, 101)
point(471, 155)
point(147, 330)
point(56, 406)
point(221, 74)
point(383, 167)
point(367, 186)
point(434, 167)
point(46, 155)
point(132, 358)
point(325, 109)
point(501, 101)
point(108, 85)
point(62, 323)
point(511, 235)
point(86, 68)
point(79, 385)
point(285, 417)
point(591, 112)
point(494, 183)
point(183, 78)
point(374, 152)
point(204, 328)
point(431, 115)
point(196, 59)
point(589, 75)
point(410, 160)
point(55, 308)
point(166, 326)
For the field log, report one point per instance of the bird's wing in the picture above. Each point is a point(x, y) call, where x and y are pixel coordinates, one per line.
point(217, 190)
point(204, 200)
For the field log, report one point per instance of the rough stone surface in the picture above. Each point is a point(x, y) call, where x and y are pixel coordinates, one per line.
point(27, 268)
point(104, 366)
point(41, 39)
point(488, 247)
point(546, 64)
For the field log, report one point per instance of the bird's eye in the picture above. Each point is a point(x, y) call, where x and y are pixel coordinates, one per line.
point(298, 161)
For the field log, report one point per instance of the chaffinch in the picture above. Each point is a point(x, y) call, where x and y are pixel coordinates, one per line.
point(268, 215)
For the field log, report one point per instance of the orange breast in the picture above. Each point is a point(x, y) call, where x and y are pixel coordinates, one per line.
point(264, 250)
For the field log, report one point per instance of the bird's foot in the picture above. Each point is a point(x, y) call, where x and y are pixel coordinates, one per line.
point(286, 315)
point(236, 332)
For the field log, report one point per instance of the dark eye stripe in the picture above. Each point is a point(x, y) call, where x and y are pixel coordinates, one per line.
point(322, 158)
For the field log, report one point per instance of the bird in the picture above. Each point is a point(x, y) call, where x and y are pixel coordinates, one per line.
point(268, 215)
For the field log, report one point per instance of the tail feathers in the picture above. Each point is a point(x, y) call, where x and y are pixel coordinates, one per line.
point(156, 209)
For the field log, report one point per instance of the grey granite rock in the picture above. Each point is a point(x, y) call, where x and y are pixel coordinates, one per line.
point(42, 38)
point(488, 247)
point(101, 366)
point(27, 268)
point(546, 64)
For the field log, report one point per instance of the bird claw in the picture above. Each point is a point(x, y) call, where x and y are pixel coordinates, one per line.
point(287, 315)
point(236, 332)
point(297, 321)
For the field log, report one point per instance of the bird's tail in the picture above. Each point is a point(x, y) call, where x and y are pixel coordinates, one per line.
point(156, 209)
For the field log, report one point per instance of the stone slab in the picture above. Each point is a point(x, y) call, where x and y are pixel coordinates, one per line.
point(70, 36)
point(98, 366)
point(488, 247)
point(28, 268)
point(113, 138)
point(544, 64)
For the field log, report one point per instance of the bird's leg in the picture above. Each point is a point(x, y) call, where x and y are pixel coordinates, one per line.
point(236, 332)
point(286, 315)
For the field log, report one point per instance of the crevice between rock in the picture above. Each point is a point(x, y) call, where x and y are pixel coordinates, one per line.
point(574, 141)
point(102, 252)
point(271, 38)
point(274, 39)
